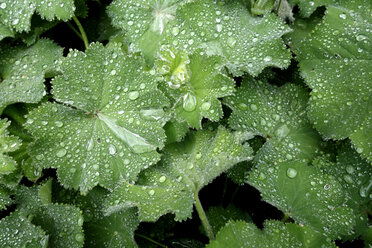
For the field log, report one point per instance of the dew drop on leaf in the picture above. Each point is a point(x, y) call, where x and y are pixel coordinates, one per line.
point(133, 95)
point(189, 102)
point(291, 173)
point(60, 153)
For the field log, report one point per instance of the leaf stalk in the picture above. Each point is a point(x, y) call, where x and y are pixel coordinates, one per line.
point(203, 217)
point(82, 32)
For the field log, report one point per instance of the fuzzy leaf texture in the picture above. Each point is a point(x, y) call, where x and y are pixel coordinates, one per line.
point(277, 114)
point(8, 143)
point(16, 14)
point(23, 70)
point(335, 61)
point(106, 124)
point(307, 195)
point(186, 168)
point(275, 234)
point(224, 29)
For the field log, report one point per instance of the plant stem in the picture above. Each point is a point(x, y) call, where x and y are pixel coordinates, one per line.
point(203, 217)
point(82, 32)
point(277, 9)
point(285, 218)
point(151, 240)
point(75, 30)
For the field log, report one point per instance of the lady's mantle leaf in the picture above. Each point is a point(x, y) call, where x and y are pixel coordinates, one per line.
point(16, 14)
point(279, 115)
point(185, 168)
point(193, 83)
point(109, 126)
point(63, 223)
point(335, 60)
point(115, 230)
point(306, 195)
point(8, 143)
point(23, 70)
point(18, 231)
point(237, 234)
point(247, 44)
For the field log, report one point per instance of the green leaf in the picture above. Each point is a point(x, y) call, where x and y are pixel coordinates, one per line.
point(18, 231)
point(175, 131)
point(5, 199)
point(115, 230)
point(218, 216)
point(238, 234)
point(355, 176)
point(17, 14)
point(62, 231)
point(308, 7)
point(109, 125)
point(335, 63)
point(277, 114)
point(185, 168)
point(23, 71)
point(261, 7)
point(193, 83)
point(306, 195)
point(8, 143)
point(5, 32)
point(220, 29)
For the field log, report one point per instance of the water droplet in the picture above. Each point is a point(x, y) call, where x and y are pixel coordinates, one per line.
point(348, 179)
point(361, 37)
point(96, 166)
point(360, 150)
point(349, 103)
point(60, 153)
point(350, 169)
point(291, 173)
point(79, 237)
point(261, 176)
point(342, 16)
point(219, 27)
point(126, 161)
point(80, 221)
point(44, 123)
point(112, 149)
point(39, 157)
point(254, 107)
point(189, 102)
point(175, 31)
point(151, 192)
point(365, 189)
point(162, 179)
point(288, 156)
point(3, 5)
point(267, 59)
point(133, 95)
point(59, 123)
point(198, 156)
point(326, 186)
point(130, 23)
point(282, 131)
point(113, 72)
point(243, 106)
point(231, 41)
point(15, 21)
point(152, 114)
point(206, 106)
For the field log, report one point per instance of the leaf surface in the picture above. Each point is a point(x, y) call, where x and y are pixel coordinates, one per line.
point(16, 14)
point(247, 44)
point(335, 62)
point(277, 114)
point(23, 70)
point(8, 143)
point(193, 83)
point(307, 195)
point(106, 124)
point(185, 168)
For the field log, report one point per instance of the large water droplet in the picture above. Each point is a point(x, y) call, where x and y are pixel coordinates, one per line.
point(60, 153)
point(231, 41)
point(59, 123)
point(350, 169)
point(79, 237)
point(365, 189)
point(112, 149)
point(254, 107)
point(342, 16)
point(348, 179)
point(243, 106)
point(206, 106)
point(162, 179)
point(291, 173)
point(90, 145)
point(175, 31)
point(189, 102)
point(151, 192)
point(152, 114)
point(282, 131)
point(3, 5)
point(133, 95)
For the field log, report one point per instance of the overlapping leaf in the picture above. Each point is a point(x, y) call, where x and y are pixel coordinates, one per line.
point(247, 43)
point(62, 223)
point(335, 62)
point(16, 14)
point(109, 125)
point(277, 114)
point(8, 143)
point(193, 83)
point(115, 230)
point(18, 231)
point(306, 195)
point(308, 7)
point(186, 167)
point(23, 70)
point(238, 234)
